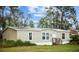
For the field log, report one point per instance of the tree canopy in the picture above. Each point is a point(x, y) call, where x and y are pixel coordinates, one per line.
point(12, 16)
point(59, 17)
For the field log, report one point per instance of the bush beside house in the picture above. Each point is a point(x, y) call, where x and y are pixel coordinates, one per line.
point(19, 43)
point(12, 43)
point(74, 39)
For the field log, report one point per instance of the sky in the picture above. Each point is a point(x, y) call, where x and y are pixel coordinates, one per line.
point(77, 11)
point(37, 12)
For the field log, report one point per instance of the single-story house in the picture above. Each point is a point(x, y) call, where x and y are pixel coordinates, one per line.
point(39, 36)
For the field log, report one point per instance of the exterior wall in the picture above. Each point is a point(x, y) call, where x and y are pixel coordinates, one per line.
point(10, 34)
point(45, 42)
point(23, 35)
point(67, 38)
point(37, 36)
point(58, 34)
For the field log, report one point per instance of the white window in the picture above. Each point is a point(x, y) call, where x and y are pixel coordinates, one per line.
point(45, 36)
point(63, 35)
point(30, 36)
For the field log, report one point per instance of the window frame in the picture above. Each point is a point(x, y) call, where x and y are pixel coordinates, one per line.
point(43, 36)
point(30, 35)
point(63, 35)
point(46, 37)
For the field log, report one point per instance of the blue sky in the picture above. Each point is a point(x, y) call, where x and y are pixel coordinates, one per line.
point(77, 11)
point(36, 12)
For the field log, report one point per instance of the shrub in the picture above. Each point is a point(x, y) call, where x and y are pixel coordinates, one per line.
point(27, 43)
point(32, 44)
point(74, 39)
point(8, 43)
point(12, 43)
point(19, 43)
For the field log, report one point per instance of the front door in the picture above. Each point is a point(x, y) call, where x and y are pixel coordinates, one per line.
point(56, 41)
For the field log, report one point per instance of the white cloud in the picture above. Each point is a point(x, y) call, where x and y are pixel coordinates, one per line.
point(36, 9)
point(35, 21)
point(32, 9)
point(39, 15)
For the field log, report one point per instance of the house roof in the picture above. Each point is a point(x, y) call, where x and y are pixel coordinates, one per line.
point(35, 29)
point(75, 32)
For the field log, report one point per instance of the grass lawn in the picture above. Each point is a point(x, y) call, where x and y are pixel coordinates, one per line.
point(54, 48)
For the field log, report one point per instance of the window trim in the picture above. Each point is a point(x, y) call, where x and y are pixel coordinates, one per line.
point(63, 35)
point(30, 36)
point(45, 35)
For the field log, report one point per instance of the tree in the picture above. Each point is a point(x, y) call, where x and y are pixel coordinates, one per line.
point(12, 18)
point(50, 16)
point(51, 20)
point(59, 17)
point(67, 12)
point(17, 15)
point(74, 39)
point(31, 23)
point(25, 22)
point(43, 23)
point(77, 26)
point(2, 18)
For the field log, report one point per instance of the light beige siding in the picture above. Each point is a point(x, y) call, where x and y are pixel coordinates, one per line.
point(58, 34)
point(23, 34)
point(36, 36)
point(10, 34)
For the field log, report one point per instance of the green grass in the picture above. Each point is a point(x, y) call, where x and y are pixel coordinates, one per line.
point(54, 48)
